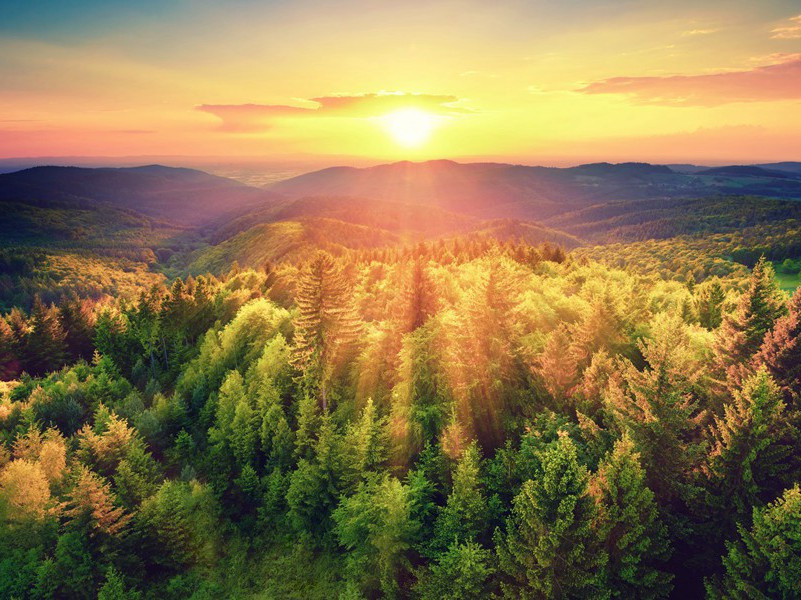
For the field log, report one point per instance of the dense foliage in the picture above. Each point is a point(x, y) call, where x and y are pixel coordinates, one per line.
point(460, 419)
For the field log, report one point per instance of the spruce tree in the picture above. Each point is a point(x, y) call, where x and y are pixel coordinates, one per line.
point(658, 408)
point(464, 516)
point(78, 321)
point(742, 332)
point(418, 300)
point(747, 463)
point(549, 549)
point(326, 325)
point(781, 351)
point(46, 347)
point(766, 561)
point(628, 526)
point(9, 352)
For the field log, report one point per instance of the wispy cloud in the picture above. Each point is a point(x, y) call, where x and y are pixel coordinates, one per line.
point(694, 32)
point(789, 32)
point(771, 82)
point(255, 117)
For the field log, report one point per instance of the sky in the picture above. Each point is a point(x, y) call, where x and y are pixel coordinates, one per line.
point(524, 81)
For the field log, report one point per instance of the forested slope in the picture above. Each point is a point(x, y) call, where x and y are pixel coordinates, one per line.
point(339, 402)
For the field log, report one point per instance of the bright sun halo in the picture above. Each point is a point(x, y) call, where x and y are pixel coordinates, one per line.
point(409, 127)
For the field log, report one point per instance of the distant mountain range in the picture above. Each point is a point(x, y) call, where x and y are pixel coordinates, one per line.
point(493, 190)
point(404, 202)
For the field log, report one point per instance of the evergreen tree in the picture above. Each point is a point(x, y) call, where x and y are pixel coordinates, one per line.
point(326, 326)
point(748, 461)
point(462, 572)
point(46, 347)
point(781, 351)
point(9, 352)
point(742, 332)
point(709, 299)
point(549, 549)
point(78, 321)
point(114, 588)
point(376, 527)
point(629, 528)
point(658, 408)
point(365, 445)
point(766, 561)
point(464, 516)
point(418, 301)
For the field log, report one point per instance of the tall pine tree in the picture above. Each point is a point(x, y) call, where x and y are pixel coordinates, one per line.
point(628, 526)
point(766, 561)
point(742, 332)
point(781, 351)
point(327, 324)
point(549, 549)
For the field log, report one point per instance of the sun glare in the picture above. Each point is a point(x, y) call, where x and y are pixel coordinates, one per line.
point(409, 127)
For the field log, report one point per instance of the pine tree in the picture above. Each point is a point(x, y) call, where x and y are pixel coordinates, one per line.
point(9, 352)
point(418, 301)
point(78, 321)
point(742, 332)
point(657, 407)
point(376, 527)
point(114, 588)
point(766, 561)
point(462, 572)
point(750, 446)
point(709, 299)
point(464, 516)
point(781, 351)
point(365, 445)
point(549, 549)
point(46, 347)
point(628, 526)
point(326, 326)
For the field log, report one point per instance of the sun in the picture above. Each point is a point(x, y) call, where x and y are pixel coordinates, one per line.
point(409, 127)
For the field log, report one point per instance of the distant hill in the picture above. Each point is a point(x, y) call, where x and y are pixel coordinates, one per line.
point(790, 166)
point(492, 190)
point(183, 196)
point(288, 240)
point(749, 171)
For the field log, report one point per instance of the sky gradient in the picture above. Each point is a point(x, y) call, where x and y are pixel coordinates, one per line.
point(533, 82)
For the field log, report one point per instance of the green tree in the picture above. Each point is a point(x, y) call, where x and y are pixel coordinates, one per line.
point(629, 528)
point(747, 463)
point(464, 516)
point(549, 549)
point(709, 298)
point(766, 561)
point(114, 588)
point(376, 528)
point(326, 326)
point(462, 572)
point(658, 408)
point(781, 350)
point(46, 346)
point(742, 332)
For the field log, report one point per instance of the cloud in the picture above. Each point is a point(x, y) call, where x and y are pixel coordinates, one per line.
point(788, 32)
point(693, 32)
point(778, 81)
point(256, 117)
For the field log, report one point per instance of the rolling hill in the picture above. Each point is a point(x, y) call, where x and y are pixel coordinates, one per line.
point(494, 190)
point(185, 197)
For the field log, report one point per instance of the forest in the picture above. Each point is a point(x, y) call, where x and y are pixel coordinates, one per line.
point(311, 407)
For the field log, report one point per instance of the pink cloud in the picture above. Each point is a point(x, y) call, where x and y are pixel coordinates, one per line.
point(779, 81)
point(256, 117)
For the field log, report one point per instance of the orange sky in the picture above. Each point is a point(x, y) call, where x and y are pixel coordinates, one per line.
point(535, 82)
